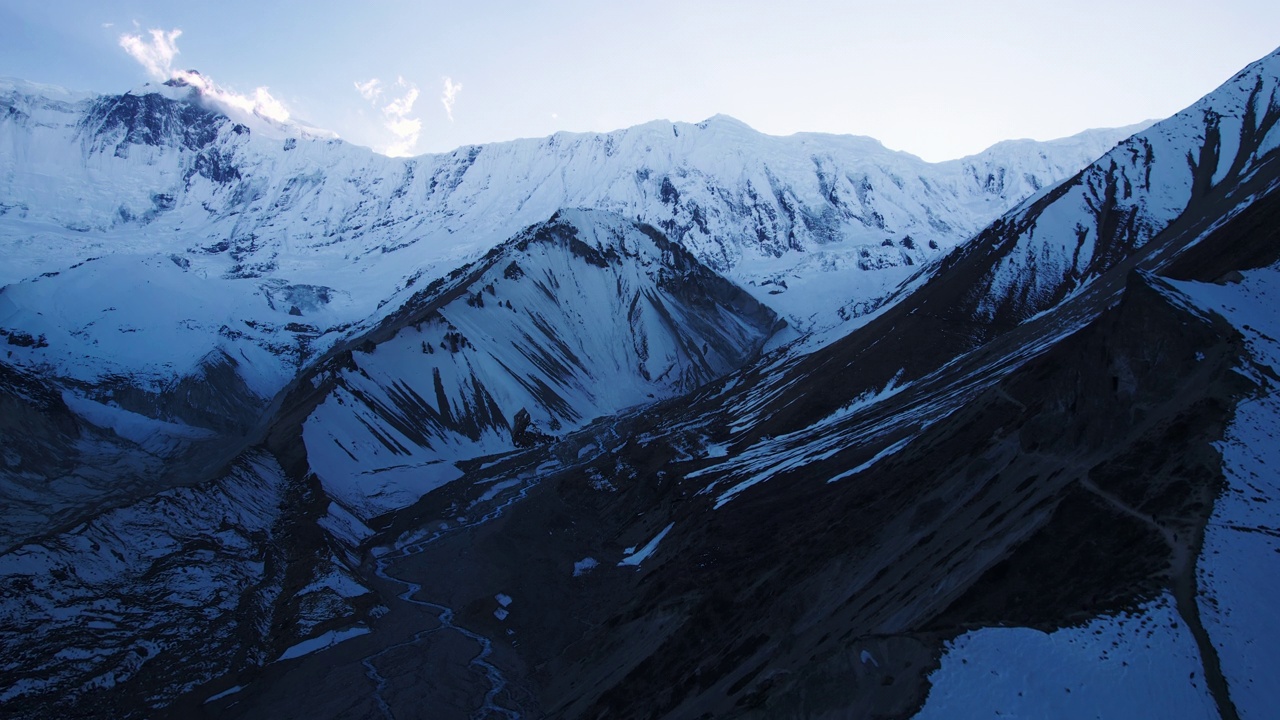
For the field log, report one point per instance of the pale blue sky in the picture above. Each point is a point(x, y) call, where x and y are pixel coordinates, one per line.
point(939, 79)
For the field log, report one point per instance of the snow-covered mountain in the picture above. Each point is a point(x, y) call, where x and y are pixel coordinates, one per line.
point(575, 319)
point(236, 231)
point(168, 262)
point(496, 454)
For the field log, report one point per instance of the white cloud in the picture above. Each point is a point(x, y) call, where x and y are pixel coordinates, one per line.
point(156, 56)
point(450, 95)
point(261, 103)
point(397, 114)
point(370, 90)
point(403, 105)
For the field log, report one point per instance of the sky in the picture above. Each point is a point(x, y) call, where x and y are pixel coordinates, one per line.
point(937, 79)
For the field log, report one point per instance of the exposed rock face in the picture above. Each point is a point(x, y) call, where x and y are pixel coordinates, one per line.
point(1034, 491)
point(114, 124)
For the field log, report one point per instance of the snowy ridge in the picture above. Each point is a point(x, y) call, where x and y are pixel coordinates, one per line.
point(158, 178)
point(1059, 242)
point(572, 320)
point(1055, 246)
point(175, 263)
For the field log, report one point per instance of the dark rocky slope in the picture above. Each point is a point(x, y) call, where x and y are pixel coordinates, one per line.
point(1045, 457)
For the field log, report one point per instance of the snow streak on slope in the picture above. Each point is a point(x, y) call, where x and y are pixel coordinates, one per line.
point(575, 319)
point(1059, 242)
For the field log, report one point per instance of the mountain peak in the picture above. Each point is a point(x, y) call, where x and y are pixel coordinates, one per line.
point(720, 121)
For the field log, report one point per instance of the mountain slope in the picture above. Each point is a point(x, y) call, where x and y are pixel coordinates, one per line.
point(1129, 208)
point(581, 317)
point(124, 613)
point(802, 538)
point(503, 354)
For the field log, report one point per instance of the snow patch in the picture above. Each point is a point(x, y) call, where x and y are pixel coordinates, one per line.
point(892, 449)
point(225, 693)
point(343, 525)
point(635, 557)
point(322, 642)
point(1139, 664)
point(1238, 571)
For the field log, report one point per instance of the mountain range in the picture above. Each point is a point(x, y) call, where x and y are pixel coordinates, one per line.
point(676, 421)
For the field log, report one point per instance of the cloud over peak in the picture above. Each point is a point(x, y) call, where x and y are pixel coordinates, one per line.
point(397, 113)
point(156, 57)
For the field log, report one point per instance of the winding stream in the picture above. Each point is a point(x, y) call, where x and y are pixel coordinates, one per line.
point(444, 614)
point(386, 556)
